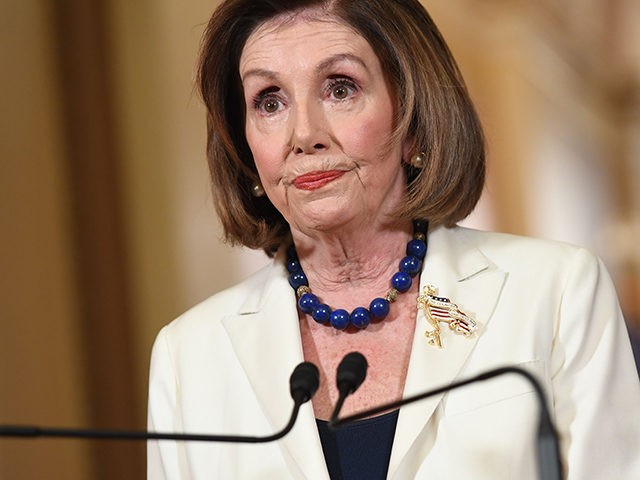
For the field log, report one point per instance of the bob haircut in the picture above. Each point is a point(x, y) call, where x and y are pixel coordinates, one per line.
point(434, 111)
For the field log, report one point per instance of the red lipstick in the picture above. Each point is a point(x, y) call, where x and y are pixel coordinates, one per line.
point(315, 180)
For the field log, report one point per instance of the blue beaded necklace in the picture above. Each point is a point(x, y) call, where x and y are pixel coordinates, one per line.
point(378, 309)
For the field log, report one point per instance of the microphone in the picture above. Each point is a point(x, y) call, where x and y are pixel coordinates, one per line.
point(548, 450)
point(352, 371)
point(303, 384)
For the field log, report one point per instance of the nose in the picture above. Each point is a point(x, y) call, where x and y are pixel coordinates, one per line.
point(309, 129)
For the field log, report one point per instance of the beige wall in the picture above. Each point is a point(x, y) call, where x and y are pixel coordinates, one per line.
point(40, 374)
point(174, 237)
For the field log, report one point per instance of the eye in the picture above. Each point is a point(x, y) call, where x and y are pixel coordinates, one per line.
point(267, 102)
point(270, 105)
point(341, 88)
point(340, 91)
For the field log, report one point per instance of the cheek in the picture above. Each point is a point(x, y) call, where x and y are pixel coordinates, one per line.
point(369, 137)
point(259, 146)
point(267, 143)
point(255, 138)
point(265, 165)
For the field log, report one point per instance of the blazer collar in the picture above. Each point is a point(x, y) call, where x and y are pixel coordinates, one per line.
point(268, 323)
point(266, 337)
point(461, 272)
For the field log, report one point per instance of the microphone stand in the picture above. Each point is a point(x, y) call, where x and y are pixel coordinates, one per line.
point(550, 467)
point(32, 431)
point(303, 384)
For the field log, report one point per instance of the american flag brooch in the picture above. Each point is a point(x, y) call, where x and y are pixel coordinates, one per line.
point(441, 309)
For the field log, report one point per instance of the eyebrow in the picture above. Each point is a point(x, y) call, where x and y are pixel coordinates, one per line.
point(259, 72)
point(322, 66)
point(337, 58)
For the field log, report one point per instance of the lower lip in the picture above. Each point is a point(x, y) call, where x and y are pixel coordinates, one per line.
point(315, 180)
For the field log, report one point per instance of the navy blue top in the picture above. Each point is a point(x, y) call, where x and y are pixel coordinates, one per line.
point(361, 450)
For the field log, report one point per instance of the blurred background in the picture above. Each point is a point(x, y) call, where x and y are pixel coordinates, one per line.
point(107, 231)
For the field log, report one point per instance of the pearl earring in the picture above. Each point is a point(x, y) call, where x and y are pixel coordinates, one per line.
point(257, 190)
point(418, 160)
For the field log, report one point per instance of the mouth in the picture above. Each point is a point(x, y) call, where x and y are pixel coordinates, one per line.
point(315, 180)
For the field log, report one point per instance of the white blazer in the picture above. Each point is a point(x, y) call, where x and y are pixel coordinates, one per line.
point(223, 367)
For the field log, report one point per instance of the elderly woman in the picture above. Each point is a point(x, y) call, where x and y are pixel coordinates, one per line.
point(343, 142)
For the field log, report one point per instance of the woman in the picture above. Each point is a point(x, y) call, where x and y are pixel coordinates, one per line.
point(336, 128)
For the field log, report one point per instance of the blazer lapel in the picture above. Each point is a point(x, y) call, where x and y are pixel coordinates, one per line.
point(268, 324)
point(266, 333)
point(463, 274)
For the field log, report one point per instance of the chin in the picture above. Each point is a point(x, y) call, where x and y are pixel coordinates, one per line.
point(325, 221)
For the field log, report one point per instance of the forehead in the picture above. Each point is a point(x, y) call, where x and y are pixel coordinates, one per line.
point(302, 36)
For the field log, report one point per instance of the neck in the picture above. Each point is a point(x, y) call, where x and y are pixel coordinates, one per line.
point(350, 266)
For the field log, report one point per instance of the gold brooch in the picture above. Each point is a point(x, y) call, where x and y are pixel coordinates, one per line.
point(441, 309)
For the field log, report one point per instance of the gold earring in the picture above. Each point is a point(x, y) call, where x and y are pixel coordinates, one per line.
point(418, 160)
point(257, 190)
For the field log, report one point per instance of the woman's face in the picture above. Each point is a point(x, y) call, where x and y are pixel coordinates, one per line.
point(319, 121)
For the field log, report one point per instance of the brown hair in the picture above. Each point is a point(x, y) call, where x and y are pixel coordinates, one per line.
point(434, 110)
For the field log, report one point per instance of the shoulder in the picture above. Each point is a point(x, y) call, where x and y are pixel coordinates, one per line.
point(235, 300)
point(531, 266)
point(544, 271)
point(509, 252)
point(506, 243)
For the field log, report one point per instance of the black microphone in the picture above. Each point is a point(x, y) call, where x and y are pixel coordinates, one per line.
point(549, 465)
point(303, 384)
point(351, 373)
